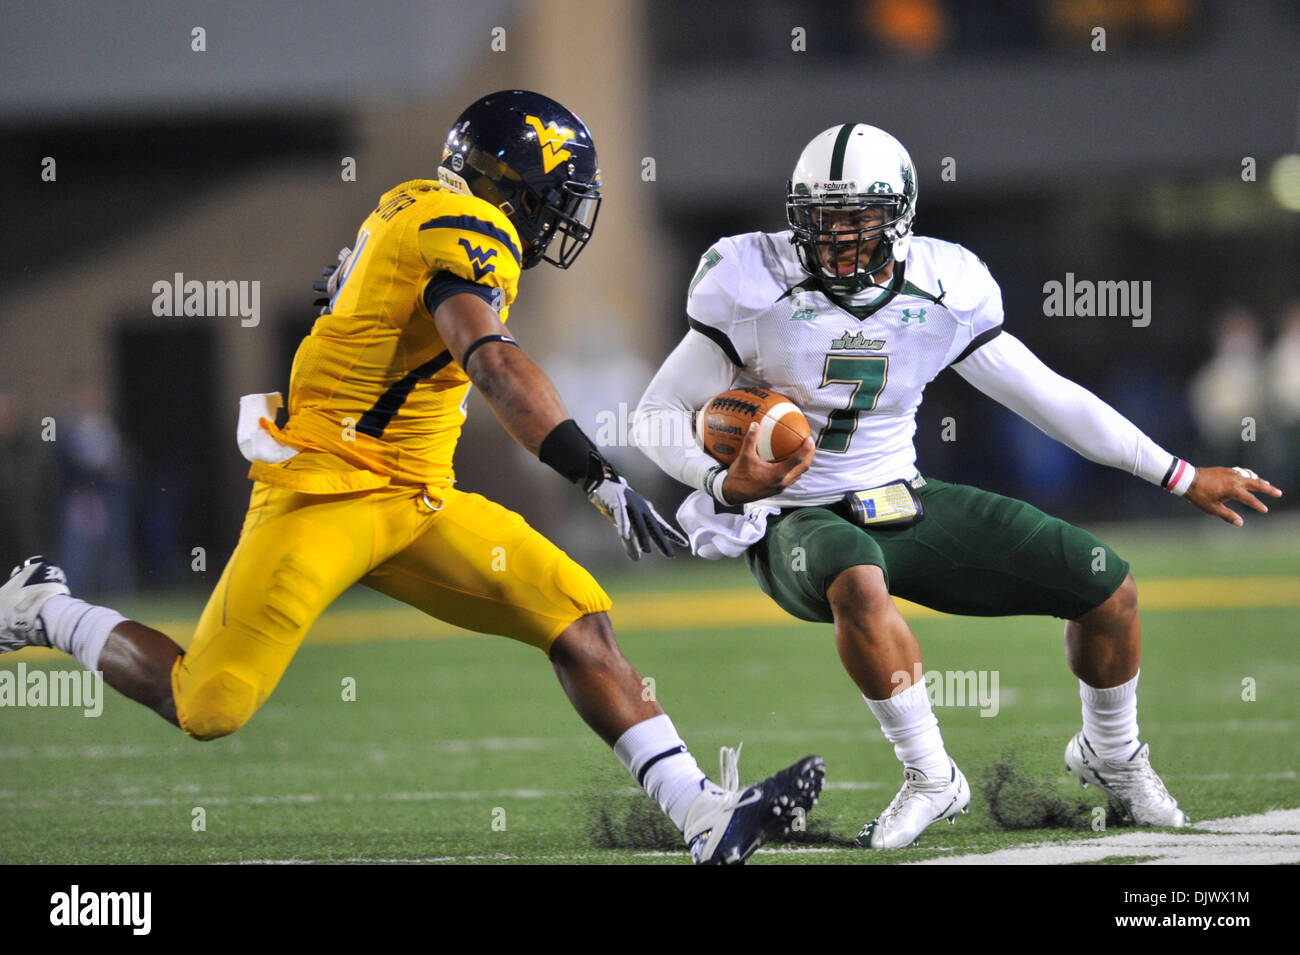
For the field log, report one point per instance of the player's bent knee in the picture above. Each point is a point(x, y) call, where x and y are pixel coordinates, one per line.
point(1121, 606)
point(862, 589)
point(1124, 601)
point(592, 633)
point(588, 640)
point(217, 707)
point(1127, 595)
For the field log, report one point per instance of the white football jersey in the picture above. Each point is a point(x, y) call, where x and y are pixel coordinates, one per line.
point(857, 371)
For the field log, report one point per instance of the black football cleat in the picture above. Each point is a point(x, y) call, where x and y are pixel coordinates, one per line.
point(725, 826)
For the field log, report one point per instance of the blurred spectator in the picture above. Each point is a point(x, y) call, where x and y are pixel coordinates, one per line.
point(26, 476)
point(1282, 380)
point(917, 29)
point(1227, 394)
point(94, 523)
point(1128, 22)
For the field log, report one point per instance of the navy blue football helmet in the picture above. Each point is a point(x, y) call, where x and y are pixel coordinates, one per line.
point(535, 161)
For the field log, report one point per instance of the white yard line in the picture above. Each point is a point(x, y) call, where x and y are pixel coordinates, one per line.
point(198, 798)
point(502, 857)
point(1270, 838)
point(135, 795)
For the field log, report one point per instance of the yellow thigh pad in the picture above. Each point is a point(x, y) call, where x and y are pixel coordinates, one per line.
point(481, 567)
point(296, 554)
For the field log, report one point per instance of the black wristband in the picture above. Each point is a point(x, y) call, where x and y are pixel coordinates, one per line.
point(571, 453)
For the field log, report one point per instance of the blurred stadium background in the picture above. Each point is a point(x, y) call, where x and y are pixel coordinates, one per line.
point(1128, 164)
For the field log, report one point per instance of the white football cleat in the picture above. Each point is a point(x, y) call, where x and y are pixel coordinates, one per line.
point(921, 802)
point(1130, 782)
point(724, 825)
point(21, 598)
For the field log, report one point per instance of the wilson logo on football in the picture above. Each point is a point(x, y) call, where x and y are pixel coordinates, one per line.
point(722, 423)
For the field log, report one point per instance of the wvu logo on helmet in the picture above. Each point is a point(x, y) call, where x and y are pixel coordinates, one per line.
point(478, 259)
point(551, 139)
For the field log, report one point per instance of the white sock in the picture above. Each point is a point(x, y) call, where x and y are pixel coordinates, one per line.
point(78, 628)
point(658, 759)
point(1110, 718)
point(910, 724)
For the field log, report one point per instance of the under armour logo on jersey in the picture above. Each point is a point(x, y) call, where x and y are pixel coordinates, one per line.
point(551, 138)
point(853, 342)
point(478, 258)
point(803, 315)
point(919, 316)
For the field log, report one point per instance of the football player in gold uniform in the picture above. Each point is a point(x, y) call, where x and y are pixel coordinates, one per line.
point(358, 485)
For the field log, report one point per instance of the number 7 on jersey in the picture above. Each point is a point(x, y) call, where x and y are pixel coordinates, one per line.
point(867, 374)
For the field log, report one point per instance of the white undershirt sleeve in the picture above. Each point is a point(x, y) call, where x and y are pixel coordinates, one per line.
point(663, 427)
point(1009, 373)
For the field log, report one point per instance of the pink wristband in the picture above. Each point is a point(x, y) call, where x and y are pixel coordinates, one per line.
point(1179, 477)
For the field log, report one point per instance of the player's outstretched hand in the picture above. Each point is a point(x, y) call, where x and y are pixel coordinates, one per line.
point(750, 478)
point(636, 520)
point(1212, 487)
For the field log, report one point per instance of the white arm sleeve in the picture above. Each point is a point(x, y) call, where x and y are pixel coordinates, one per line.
point(1009, 373)
point(695, 372)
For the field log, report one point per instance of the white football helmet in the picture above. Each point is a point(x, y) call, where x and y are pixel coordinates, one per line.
point(842, 178)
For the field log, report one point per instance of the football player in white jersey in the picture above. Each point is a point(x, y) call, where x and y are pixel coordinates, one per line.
point(850, 316)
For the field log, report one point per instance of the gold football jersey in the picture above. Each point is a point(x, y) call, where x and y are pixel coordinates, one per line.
point(374, 383)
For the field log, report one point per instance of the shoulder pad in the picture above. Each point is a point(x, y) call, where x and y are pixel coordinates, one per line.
point(468, 237)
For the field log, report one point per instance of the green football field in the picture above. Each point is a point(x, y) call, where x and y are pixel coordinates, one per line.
point(462, 748)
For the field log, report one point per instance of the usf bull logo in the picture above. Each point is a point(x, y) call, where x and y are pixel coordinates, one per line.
point(478, 259)
point(551, 139)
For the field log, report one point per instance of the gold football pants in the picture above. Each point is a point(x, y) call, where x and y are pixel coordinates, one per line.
point(456, 556)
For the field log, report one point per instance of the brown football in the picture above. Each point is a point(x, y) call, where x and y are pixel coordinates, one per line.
point(721, 424)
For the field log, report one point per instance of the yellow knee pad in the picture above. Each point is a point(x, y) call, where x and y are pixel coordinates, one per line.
point(217, 706)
